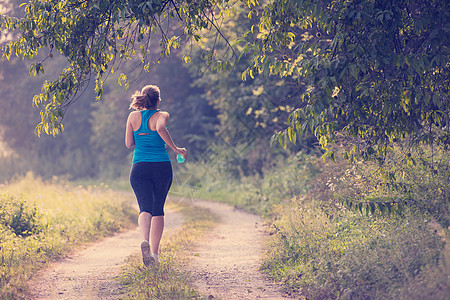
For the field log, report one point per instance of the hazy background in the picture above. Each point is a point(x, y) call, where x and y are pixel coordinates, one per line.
point(215, 117)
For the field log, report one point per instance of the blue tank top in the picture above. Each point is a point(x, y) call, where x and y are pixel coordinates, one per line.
point(150, 147)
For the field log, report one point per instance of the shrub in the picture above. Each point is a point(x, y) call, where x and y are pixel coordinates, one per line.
point(18, 215)
point(256, 194)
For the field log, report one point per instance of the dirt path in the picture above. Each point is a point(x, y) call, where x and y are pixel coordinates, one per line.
point(89, 274)
point(226, 266)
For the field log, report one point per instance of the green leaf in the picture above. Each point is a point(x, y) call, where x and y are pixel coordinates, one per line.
point(389, 206)
point(360, 206)
point(292, 135)
point(348, 203)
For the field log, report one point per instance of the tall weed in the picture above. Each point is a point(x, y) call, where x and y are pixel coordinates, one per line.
point(347, 255)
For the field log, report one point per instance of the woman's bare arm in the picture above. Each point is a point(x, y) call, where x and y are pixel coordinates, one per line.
point(161, 127)
point(129, 138)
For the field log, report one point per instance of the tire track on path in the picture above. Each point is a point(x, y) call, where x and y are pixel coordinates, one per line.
point(226, 265)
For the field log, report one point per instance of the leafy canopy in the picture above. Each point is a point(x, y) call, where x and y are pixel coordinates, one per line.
point(373, 72)
point(97, 36)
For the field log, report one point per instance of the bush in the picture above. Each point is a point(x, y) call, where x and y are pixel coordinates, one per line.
point(417, 181)
point(21, 217)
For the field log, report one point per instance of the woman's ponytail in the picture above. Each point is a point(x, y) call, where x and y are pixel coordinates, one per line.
point(145, 99)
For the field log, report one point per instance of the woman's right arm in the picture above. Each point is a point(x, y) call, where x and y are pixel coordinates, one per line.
point(129, 138)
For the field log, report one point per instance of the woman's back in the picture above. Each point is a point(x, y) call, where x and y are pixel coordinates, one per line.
point(150, 147)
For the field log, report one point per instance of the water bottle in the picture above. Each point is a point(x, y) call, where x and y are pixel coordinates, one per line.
point(180, 158)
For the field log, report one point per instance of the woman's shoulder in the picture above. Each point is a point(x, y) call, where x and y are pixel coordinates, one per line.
point(134, 114)
point(163, 113)
point(134, 118)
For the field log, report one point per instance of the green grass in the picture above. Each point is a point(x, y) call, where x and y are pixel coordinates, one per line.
point(170, 280)
point(41, 221)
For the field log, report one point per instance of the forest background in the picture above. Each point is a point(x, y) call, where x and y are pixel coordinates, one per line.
point(355, 225)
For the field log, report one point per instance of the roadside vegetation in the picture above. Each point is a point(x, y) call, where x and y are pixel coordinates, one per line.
point(44, 220)
point(345, 231)
point(169, 280)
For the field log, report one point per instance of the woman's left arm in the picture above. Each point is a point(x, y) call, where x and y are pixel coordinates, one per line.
point(161, 124)
point(129, 138)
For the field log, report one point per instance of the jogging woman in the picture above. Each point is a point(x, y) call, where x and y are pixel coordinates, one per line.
point(151, 172)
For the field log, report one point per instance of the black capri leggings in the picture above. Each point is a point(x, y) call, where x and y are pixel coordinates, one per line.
point(151, 182)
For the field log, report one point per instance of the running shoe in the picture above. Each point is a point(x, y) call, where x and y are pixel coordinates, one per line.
point(147, 258)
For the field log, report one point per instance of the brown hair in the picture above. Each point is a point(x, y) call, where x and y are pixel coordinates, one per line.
point(146, 98)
